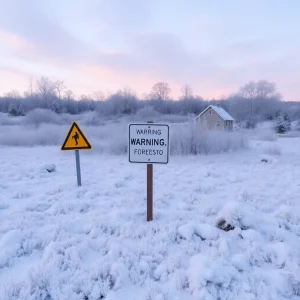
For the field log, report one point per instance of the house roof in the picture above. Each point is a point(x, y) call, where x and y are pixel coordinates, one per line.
point(220, 111)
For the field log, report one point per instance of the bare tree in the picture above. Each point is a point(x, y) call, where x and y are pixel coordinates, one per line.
point(186, 92)
point(59, 86)
point(258, 94)
point(261, 89)
point(265, 89)
point(85, 97)
point(13, 94)
point(69, 95)
point(98, 96)
point(161, 91)
point(127, 92)
point(30, 87)
point(248, 91)
point(45, 88)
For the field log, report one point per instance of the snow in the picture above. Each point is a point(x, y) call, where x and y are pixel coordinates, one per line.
point(204, 231)
point(58, 241)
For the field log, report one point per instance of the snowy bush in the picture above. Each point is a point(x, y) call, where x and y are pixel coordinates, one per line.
point(173, 119)
point(187, 139)
point(111, 138)
point(147, 112)
point(272, 149)
point(296, 125)
point(6, 120)
point(16, 110)
point(91, 118)
point(39, 116)
point(283, 124)
point(266, 135)
point(44, 135)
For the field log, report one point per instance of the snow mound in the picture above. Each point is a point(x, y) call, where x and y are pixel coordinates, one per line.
point(204, 231)
point(10, 244)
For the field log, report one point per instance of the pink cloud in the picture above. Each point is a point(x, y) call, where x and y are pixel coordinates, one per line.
point(109, 79)
point(11, 80)
point(16, 44)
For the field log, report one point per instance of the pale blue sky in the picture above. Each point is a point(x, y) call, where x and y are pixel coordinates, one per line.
point(215, 46)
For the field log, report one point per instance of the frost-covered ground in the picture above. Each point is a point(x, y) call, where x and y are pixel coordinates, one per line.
point(58, 241)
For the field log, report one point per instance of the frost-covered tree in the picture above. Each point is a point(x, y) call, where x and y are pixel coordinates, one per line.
point(160, 91)
point(283, 123)
point(56, 107)
point(45, 88)
point(16, 110)
point(69, 95)
point(256, 101)
point(186, 92)
point(59, 87)
point(98, 96)
point(261, 89)
point(13, 94)
point(297, 125)
point(123, 102)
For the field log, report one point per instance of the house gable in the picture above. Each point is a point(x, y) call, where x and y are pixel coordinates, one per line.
point(219, 110)
point(210, 121)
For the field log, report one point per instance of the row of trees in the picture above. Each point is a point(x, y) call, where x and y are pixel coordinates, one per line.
point(46, 89)
point(253, 102)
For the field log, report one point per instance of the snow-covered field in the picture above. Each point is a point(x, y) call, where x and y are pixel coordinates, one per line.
point(58, 241)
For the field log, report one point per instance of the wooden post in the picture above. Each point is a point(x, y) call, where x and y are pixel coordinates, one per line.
point(149, 190)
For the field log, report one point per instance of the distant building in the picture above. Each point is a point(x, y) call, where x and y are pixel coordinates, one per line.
point(215, 117)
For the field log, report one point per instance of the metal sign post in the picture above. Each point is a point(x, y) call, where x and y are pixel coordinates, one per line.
point(78, 167)
point(76, 140)
point(149, 143)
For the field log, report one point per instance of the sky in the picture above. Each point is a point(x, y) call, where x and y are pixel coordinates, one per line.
point(215, 46)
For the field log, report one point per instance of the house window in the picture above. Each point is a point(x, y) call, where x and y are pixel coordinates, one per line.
point(210, 112)
point(218, 123)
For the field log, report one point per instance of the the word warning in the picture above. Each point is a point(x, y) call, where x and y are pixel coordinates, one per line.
point(149, 143)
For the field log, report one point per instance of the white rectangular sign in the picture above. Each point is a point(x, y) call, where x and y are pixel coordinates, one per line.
point(149, 143)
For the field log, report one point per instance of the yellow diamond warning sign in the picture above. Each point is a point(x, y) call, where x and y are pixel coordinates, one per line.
point(75, 139)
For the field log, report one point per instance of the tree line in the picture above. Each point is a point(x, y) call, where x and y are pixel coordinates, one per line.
point(254, 102)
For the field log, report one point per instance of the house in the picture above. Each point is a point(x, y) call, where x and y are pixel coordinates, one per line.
point(215, 117)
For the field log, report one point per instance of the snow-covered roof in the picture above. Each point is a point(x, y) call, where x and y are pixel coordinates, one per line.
point(220, 111)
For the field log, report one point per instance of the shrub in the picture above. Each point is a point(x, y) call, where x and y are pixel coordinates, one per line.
point(297, 125)
point(189, 139)
point(39, 116)
point(44, 135)
point(267, 135)
point(90, 118)
point(283, 123)
point(16, 110)
point(147, 112)
point(6, 120)
point(112, 138)
point(272, 149)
